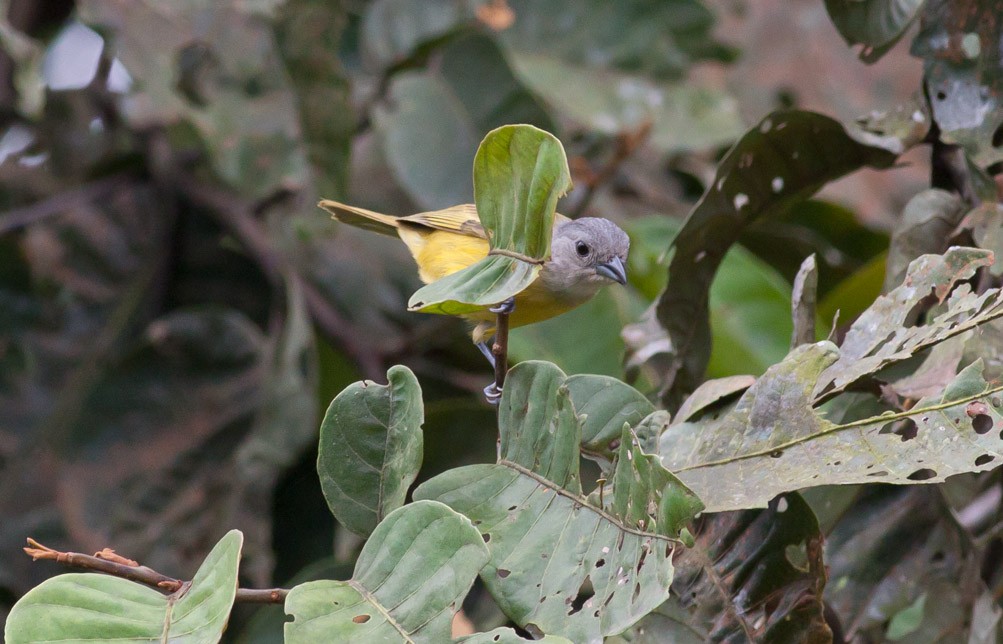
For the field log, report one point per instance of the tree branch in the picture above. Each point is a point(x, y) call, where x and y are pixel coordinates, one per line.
point(58, 203)
point(110, 563)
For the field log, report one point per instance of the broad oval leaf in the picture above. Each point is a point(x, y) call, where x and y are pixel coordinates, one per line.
point(100, 608)
point(604, 405)
point(409, 580)
point(507, 636)
point(371, 449)
point(520, 172)
point(560, 564)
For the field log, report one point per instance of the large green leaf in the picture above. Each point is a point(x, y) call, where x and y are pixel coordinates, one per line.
point(784, 159)
point(519, 174)
point(371, 448)
point(752, 576)
point(392, 30)
point(409, 580)
point(103, 609)
point(559, 563)
point(960, 43)
point(875, 24)
point(604, 405)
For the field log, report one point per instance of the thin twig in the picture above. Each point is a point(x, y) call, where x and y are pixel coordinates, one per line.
point(626, 144)
point(115, 565)
point(500, 348)
point(56, 204)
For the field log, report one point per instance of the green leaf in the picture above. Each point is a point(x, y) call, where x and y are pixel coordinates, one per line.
point(507, 636)
point(717, 596)
point(875, 24)
point(392, 30)
point(964, 74)
point(681, 116)
point(409, 580)
point(371, 448)
point(604, 405)
point(530, 508)
point(784, 159)
point(100, 608)
point(519, 174)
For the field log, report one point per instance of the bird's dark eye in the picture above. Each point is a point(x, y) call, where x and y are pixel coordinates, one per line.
point(582, 248)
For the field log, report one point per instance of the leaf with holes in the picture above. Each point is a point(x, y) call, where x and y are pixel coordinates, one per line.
point(100, 608)
point(887, 332)
point(752, 576)
point(519, 174)
point(371, 448)
point(409, 580)
point(507, 636)
point(774, 441)
point(960, 42)
point(783, 160)
point(558, 563)
point(875, 24)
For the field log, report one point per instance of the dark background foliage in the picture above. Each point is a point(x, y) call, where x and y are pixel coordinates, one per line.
point(175, 312)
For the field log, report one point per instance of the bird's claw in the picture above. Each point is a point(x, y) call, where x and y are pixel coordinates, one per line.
point(505, 307)
point(493, 393)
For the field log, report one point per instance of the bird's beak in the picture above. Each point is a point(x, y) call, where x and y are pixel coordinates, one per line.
point(613, 269)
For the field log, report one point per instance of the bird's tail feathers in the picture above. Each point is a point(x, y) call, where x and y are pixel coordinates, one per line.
point(360, 217)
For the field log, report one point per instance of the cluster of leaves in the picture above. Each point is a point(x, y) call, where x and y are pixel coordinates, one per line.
point(173, 311)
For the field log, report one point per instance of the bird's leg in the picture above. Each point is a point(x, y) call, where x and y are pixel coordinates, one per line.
point(486, 351)
point(499, 350)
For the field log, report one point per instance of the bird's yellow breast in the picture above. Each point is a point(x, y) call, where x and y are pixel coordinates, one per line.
point(440, 253)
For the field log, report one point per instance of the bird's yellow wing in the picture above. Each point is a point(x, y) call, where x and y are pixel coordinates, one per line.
point(460, 219)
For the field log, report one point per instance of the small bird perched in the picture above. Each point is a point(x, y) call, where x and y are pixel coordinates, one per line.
point(585, 255)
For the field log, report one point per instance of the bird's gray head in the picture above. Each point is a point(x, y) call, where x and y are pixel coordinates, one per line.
point(586, 254)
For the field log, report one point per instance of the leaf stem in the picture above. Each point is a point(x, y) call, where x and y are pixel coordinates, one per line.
point(110, 563)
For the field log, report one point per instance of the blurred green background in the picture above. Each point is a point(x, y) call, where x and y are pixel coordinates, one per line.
point(176, 314)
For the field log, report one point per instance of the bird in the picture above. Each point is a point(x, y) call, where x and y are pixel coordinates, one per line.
point(586, 254)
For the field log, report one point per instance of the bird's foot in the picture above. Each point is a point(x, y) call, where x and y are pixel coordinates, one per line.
point(505, 307)
point(493, 393)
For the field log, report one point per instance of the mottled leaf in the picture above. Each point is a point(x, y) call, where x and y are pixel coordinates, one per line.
point(530, 509)
point(960, 43)
point(371, 449)
point(409, 580)
point(519, 174)
point(507, 636)
point(773, 440)
point(103, 609)
point(889, 331)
